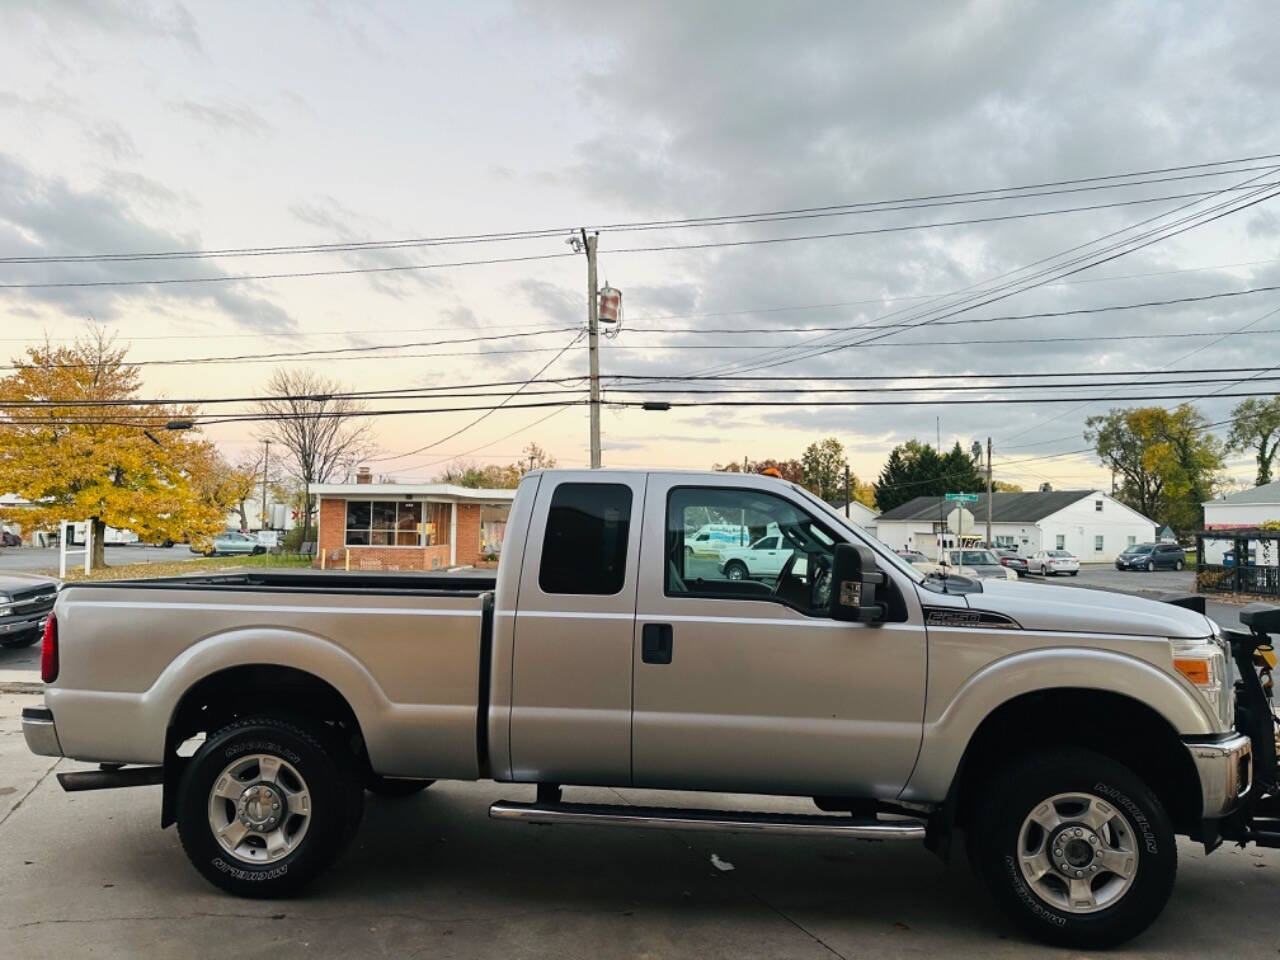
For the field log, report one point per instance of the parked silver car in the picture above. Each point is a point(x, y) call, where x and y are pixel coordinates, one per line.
point(230, 542)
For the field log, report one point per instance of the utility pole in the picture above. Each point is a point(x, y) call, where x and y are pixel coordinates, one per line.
point(744, 463)
point(593, 344)
point(266, 466)
point(990, 496)
point(847, 491)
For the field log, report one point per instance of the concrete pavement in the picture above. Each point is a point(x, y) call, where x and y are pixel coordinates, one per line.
point(432, 876)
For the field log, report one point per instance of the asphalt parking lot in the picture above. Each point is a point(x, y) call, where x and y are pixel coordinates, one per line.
point(45, 559)
point(433, 876)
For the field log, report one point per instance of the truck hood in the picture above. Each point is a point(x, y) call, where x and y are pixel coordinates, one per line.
point(1076, 610)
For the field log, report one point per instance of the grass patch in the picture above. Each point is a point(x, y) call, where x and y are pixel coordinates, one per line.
point(180, 568)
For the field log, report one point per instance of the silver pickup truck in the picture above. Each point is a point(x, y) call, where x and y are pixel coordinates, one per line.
point(1066, 735)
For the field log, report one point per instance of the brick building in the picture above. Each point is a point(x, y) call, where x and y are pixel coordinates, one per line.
point(408, 526)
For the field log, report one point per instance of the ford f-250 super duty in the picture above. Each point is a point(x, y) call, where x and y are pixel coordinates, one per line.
point(1067, 735)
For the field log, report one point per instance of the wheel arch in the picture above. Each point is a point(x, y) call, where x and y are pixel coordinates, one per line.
point(1121, 727)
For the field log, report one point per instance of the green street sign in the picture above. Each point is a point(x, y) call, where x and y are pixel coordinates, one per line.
point(967, 497)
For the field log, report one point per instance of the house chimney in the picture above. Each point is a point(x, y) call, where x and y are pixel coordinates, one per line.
point(364, 475)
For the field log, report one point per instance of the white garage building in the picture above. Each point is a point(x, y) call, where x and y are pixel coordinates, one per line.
point(1246, 510)
point(1087, 523)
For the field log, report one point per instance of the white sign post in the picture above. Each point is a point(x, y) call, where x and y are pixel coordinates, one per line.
point(64, 538)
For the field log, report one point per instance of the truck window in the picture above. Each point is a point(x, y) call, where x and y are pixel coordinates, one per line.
point(782, 554)
point(585, 548)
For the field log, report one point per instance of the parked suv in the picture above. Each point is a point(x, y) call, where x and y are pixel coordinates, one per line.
point(1152, 556)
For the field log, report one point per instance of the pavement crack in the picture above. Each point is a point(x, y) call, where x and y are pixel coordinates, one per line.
point(44, 776)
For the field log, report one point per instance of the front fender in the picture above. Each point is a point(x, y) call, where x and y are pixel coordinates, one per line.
point(946, 738)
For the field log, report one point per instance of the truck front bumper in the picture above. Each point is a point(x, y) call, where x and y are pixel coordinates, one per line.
point(1225, 768)
point(27, 623)
point(39, 731)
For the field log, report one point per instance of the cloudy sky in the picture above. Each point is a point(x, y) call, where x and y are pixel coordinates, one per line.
point(139, 128)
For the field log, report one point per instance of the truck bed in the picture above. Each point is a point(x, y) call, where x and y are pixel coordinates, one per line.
point(408, 652)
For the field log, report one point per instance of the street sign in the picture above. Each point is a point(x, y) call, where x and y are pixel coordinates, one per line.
point(967, 497)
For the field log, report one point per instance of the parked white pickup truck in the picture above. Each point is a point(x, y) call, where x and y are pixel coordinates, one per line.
point(1067, 735)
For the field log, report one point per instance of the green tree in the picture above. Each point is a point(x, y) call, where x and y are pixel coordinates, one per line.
point(1167, 460)
point(1255, 425)
point(916, 469)
point(824, 465)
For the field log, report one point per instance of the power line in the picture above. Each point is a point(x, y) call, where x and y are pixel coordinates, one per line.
point(285, 276)
point(621, 250)
point(1154, 236)
point(969, 196)
point(435, 443)
point(1005, 281)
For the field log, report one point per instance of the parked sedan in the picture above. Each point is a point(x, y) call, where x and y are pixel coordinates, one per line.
point(231, 542)
point(1014, 561)
point(1152, 556)
point(1050, 563)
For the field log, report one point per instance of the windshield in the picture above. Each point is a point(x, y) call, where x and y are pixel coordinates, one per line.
point(1139, 549)
point(979, 557)
point(1059, 553)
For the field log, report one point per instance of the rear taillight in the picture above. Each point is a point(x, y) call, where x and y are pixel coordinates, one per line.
point(49, 650)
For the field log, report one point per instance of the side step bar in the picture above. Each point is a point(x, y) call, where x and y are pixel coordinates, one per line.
point(675, 818)
point(110, 779)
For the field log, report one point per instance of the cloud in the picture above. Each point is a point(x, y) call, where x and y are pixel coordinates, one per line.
point(224, 118)
point(342, 225)
point(717, 109)
point(166, 20)
point(111, 138)
point(42, 215)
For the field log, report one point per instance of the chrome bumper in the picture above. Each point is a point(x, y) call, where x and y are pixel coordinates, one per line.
point(40, 733)
point(24, 624)
point(1225, 768)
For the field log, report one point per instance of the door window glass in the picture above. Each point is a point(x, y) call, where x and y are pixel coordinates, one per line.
point(788, 559)
point(585, 548)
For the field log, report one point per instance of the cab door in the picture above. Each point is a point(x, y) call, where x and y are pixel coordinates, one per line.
point(743, 686)
point(574, 619)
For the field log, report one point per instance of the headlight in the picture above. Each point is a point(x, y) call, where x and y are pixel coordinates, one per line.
point(5, 611)
point(1204, 663)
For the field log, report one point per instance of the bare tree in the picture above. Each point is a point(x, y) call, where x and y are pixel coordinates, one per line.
point(321, 433)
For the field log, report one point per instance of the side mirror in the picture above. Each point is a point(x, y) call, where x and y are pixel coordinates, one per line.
point(854, 581)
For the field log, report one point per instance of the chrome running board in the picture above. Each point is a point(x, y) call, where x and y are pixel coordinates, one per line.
point(675, 818)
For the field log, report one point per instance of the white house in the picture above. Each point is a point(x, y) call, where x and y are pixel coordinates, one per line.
point(1246, 510)
point(859, 513)
point(1092, 525)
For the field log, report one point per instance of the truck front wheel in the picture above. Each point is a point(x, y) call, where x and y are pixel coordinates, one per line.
point(263, 808)
point(1075, 848)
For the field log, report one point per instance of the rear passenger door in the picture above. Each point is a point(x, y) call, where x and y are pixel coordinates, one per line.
point(572, 659)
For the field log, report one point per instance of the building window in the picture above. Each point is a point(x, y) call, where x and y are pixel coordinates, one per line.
point(386, 523)
point(1062, 541)
point(1097, 506)
point(1132, 541)
point(1097, 543)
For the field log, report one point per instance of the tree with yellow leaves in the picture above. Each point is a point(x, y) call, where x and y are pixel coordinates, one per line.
point(78, 444)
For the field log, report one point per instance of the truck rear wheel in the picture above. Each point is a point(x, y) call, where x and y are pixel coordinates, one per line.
point(1076, 849)
point(263, 808)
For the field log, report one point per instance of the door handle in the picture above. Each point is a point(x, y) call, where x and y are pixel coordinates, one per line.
point(656, 641)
